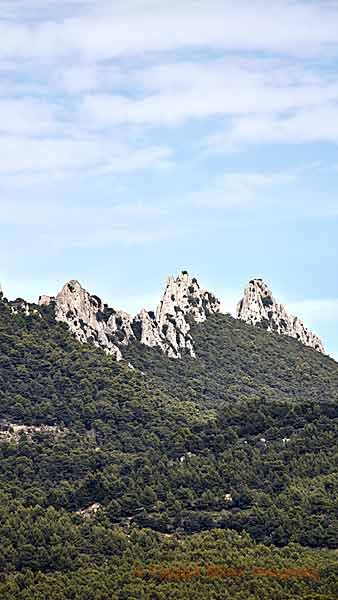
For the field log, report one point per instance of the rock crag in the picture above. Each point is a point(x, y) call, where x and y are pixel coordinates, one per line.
point(258, 306)
point(91, 321)
point(183, 302)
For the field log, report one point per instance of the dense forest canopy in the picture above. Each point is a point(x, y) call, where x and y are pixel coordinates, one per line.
point(229, 459)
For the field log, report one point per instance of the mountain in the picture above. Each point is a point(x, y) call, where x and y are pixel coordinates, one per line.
point(258, 306)
point(236, 361)
point(122, 479)
point(90, 320)
point(183, 304)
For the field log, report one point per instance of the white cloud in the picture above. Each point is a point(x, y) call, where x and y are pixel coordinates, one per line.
point(27, 116)
point(140, 159)
point(43, 213)
point(77, 78)
point(168, 94)
point(129, 26)
point(80, 225)
point(57, 157)
point(93, 55)
point(314, 125)
point(78, 81)
point(105, 237)
point(240, 189)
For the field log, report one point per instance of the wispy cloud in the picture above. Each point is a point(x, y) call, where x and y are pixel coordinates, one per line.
point(87, 87)
point(27, 117)
point(302, 127)
point(53, 157)
point(171, 93)
point(79, 215)
point(240, 189)
point(105, 237)
point(128, 27)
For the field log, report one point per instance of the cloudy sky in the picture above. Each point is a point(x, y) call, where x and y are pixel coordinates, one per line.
point(142, 137)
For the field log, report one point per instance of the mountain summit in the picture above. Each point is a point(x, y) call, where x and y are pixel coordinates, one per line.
point(183, 304)
point(183, 301)
point(90, 320)
point(258, 306)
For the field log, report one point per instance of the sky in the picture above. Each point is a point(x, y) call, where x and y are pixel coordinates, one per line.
point(139, 138)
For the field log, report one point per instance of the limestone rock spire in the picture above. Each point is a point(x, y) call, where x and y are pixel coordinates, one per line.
point(258, 306)
point(92, 321)
point(183, 301)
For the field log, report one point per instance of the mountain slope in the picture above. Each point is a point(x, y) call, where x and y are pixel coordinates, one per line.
point(46, 376)
point(241, 438)
point(169, 328)
point(236, 361)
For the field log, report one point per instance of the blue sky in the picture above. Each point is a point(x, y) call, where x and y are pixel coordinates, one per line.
point(142, 137)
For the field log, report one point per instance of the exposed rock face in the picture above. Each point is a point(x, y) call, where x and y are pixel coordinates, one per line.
point(119, 325)
point(21, 306)
point(13, 432)
point(89, 511)
point(45, 300)
point(259, 306)
point(91, 321)
point(146, 330)
point(183, 301)
point(88, 318)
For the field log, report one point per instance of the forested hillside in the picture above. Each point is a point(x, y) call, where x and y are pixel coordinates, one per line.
point(236, 362)
point(228, 459)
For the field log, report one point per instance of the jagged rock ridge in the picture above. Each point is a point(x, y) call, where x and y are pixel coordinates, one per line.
point(92, 321)
point(258, 306)
point(183, 303)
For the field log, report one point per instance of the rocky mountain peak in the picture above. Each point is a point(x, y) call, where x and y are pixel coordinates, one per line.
point(90, 320)
point(183, 301)
point(258, 306)
point(184, 294)
point(169, 328)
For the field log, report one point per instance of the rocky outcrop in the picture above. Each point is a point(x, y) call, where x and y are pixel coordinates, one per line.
point(90, 511)
point(20, 306)
point(13, 432)
point(91, 321)
point(169, 329)
point(45, 300)
point(147, 332)
point(119, 326)
point(258, 306)
point(183, 302)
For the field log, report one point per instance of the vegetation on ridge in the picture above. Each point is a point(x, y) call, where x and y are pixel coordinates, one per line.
point(192, 462)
